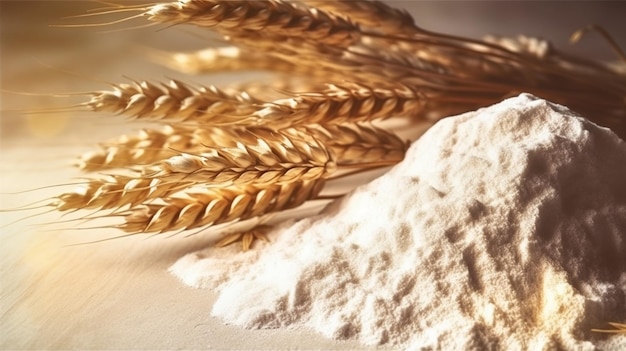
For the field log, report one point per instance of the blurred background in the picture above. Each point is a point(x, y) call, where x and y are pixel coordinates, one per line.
point(117, 294)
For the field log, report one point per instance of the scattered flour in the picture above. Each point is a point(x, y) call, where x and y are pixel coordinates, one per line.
point(503, 228)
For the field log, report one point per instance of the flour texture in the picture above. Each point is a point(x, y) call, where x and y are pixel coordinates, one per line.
point(503, 229)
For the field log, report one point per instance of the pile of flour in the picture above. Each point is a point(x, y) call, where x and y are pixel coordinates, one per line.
point(503, 228)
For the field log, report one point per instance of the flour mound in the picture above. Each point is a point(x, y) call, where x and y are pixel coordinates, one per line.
point(503, 228)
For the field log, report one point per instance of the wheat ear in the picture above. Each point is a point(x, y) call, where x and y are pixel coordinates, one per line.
point(141, 148)
point(372, 14)
point(275, 18)
point(174, 101)
point(341, 104)
point(153, 145)
point(353, 143)
point(216, 206)
point(116, 191)
point(263, 156)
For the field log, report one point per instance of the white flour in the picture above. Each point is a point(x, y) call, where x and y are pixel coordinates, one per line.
point(503, 228)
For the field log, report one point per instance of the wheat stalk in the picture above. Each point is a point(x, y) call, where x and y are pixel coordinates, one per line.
point(336, 104)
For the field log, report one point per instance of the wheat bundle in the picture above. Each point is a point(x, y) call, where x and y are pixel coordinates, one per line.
point(225, 156)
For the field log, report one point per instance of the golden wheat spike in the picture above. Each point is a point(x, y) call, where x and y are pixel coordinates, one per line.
point(216, 206)
point(355, 143)
point(116, 191)
point(373, 14)
point(222, 59)
point(341, 104)
point(154, 145)
point(274, 17)
point(262, 156)
point(172, 102)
